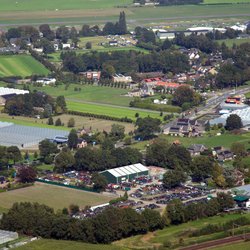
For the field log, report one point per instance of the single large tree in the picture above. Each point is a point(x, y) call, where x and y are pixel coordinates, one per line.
point(146, 127)
point(72, 139)
point(122, 25)
point(233, 122)
point(26, 174)
point(64, 160)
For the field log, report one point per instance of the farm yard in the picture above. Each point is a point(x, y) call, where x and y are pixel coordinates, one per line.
point(53, 196)
point(20, 65)
point(99, 11)
point(66, 245)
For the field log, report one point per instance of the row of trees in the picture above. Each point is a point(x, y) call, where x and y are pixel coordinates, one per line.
point(24, 104)
point(125, 62)
point(65, 33)
point(40, 220)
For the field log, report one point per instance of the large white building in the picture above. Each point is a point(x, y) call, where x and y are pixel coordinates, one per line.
point(244, 114)
point(9, 91)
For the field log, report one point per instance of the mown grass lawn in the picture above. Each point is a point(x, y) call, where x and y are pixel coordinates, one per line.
point(225, 1)
point(89, 93)
point(52, 196)
point(32, 5)
point(112, 111)
point(20, 65)
point(224, 140)
point(65, 245)
point(233, 246)
point(231, 42)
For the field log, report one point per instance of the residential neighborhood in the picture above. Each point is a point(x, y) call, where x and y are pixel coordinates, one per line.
point(125, 124)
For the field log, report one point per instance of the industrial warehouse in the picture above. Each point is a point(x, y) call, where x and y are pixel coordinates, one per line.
point(126, 173)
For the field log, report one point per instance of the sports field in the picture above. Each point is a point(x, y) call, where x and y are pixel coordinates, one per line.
point(110, 110)
point(20, 65)
point(53, 196)
point(65, 245)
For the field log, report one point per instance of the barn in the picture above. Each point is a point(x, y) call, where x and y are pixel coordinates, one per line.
point(126, 173)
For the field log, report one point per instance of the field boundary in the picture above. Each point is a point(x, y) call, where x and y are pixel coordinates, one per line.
point(67, 186)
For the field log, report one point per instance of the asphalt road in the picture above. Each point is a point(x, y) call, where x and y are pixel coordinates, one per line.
point(211, 103)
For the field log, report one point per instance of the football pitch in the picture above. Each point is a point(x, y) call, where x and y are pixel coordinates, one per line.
point(20, 65)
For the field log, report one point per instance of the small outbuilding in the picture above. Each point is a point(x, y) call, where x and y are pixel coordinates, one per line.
point(126, 173)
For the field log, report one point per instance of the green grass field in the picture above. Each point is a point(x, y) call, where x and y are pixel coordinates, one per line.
point(89, 93)
point(101, 11)
point(225, 1)
point(174, 233)
point(27, 121)
point(13, 5)
point(233, 246)
point(20, 65)
point(113, 111)
point(224, 140)
point(65, 245)
point(231, 42)
point(53, 196)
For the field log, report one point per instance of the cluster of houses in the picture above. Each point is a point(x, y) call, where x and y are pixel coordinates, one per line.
point(185, 127)
point(220, 153)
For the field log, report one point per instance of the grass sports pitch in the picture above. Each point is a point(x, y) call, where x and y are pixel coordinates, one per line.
point(52, 196)
point(20, 65)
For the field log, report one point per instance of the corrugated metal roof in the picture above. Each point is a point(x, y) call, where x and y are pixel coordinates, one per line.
point(127, 170)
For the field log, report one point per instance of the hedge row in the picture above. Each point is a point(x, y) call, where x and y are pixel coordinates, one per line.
point(104, 117)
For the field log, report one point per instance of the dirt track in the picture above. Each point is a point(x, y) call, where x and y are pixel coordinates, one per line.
point(215, 243)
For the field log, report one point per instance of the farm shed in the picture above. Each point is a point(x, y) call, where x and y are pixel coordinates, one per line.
point(126, 173)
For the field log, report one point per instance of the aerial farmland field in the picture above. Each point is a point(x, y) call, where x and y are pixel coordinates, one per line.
point(53, 196)
point(45, 244)
point(110, 110)
point(20, 65)
point(100, 11)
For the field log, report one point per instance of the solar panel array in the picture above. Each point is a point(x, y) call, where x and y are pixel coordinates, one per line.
point(24, 136)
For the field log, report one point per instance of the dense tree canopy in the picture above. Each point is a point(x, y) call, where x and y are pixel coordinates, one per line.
point(233, 122)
